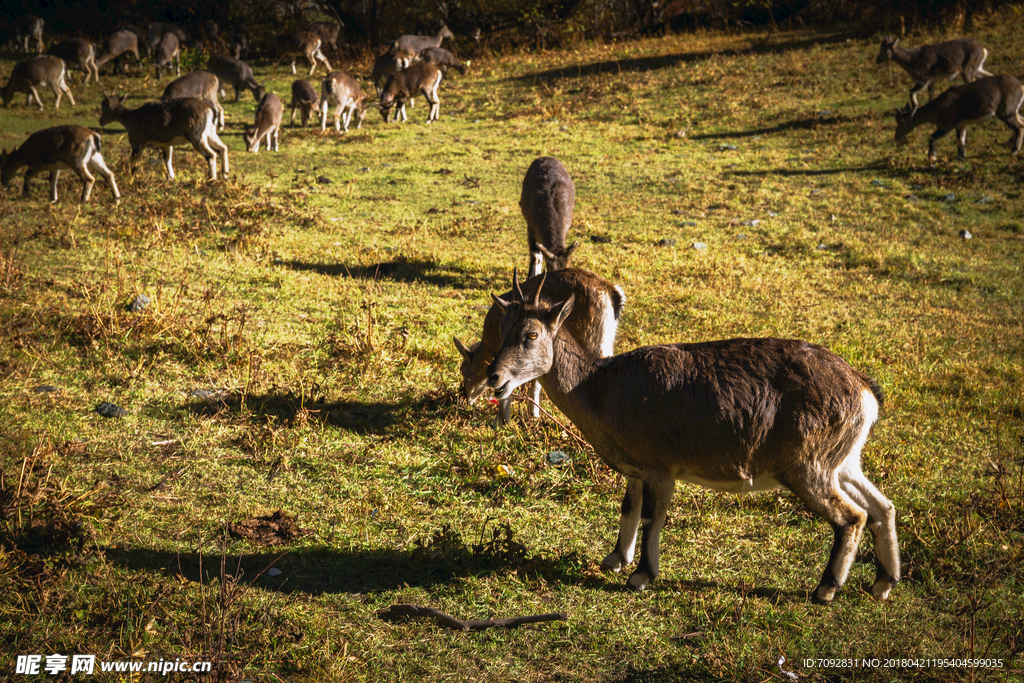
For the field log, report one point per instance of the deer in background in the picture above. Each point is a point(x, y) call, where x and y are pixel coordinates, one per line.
point(593, 323)
point(237, 74)
point(167, 123)
point(268, 124)
point(40, 70)
point(167, 50)
point(930, 63)
point(78, 51)
point(343, 91)
point(119, 43)
point(546, 202)
point(304, 98)
point(407, 48)
point(956, 108)
point(304, 43)
point(201, 84)
point(401, 85)
point(55, 149)
point(443, 59)
point(24, 30)
point(737, 415)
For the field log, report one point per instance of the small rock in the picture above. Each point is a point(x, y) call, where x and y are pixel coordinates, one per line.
point(699, 246)
point(323, 180)
point(949, 197)
point(600, 239)
point(772, 214)
point(985, 200)
point(824, 113)
point(725, 148)
point(965, 234)
point(274, 571)
point(107, 409)
point(878, 183)
point(138, 303)
point(666, 242)
point(557, 458)
point(45, 389)
point(364, 169)
point(208, 394)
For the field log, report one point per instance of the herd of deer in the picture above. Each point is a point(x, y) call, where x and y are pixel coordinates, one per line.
point(189, 111)
point(738, 415)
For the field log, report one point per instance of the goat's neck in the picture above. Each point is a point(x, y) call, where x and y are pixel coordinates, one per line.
point(565, 382)
point(905, 56)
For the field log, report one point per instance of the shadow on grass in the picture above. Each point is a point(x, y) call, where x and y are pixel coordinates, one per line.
point(668, 61)
point(879, 166)
point(800, 124)
point(399, 270)
point(356, 416)
point(320, 570)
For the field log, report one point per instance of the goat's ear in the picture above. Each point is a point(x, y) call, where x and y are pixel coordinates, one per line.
point(463, 349)
point(502, 304)
point(559, 312)
point(571, 249)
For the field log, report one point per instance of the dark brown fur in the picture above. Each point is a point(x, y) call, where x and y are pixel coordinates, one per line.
point(547, 202)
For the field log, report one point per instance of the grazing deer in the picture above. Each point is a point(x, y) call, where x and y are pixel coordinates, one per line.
point(237, 74)
point(268, 124)
point(383, 66)
point(40, 70)
point(443, 59)
point(737, 415)
point(201, 84)
point(167, 50)
point(930, 63)
point(546, 202)
point(401, 85)
point(54, 149)
point(343, 91)
point(24, 30)
point(408, 48)
point(958, 107)
point(81, 52)
point(158, 29)
point(304, 98)
point(304, 43)
point(593, 323)
point(167, 123)
point(119, 43)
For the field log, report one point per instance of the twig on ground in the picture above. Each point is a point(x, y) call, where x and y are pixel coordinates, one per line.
point(582, 442)
point(396, 612)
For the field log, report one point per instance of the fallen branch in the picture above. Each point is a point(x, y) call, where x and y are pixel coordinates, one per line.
point(396, 612)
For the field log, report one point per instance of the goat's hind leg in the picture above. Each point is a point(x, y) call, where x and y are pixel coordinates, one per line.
point(882, 523)
point(629, 522)
point(657, 495)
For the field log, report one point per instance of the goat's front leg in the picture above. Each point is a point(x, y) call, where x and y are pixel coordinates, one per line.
point(629, 521)
point(657, 496)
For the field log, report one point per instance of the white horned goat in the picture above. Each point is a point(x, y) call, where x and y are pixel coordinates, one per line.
point(956, 108)
point(547, 202)
point(930, 63)
point(593, 324)
point(168, 123)
point(737, 415)
point(71, 147)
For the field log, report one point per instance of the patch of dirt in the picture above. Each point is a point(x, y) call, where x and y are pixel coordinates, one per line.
point(275, 529)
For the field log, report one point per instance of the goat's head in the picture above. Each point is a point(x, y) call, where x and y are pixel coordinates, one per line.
point(528, 331)
point(559, 258)
point(904, 123)
point(885, 54)
point(7, 171)
point(109, 105)
point(472, 369)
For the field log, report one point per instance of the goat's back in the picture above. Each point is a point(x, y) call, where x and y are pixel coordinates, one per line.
point(547, 200)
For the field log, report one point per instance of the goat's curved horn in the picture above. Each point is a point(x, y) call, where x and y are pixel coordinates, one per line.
point(536, 296)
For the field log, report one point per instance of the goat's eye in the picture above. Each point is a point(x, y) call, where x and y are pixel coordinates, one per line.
point(531, 336)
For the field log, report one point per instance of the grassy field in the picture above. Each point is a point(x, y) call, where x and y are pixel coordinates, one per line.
point(297, 356)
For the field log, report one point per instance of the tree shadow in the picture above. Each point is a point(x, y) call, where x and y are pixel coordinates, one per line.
point(398, 270)
point(796, 172)
point(667, 61)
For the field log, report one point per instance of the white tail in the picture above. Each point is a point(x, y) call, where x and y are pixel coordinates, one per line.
point(167, 123)
point(931, 63)
point(736, 415)
point(546, 202)
point(41, 70)
point(593, 323)
point(956, 108)
point(344, 93)
point(55, 149)
point(401, 85)
point(268, 124)
point(201, 84)
point(304, 98)
point(81, 52)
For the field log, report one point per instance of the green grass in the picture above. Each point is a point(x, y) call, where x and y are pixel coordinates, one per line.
point(323, 313)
